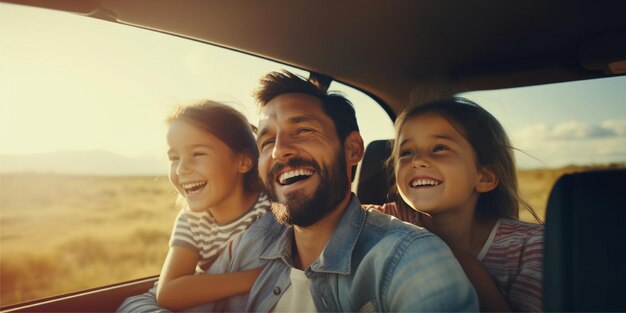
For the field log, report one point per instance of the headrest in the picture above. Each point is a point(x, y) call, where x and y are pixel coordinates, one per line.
point(372, 187)
point(585, 243)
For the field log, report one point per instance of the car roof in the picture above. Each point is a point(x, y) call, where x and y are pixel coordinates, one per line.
point(396, 50)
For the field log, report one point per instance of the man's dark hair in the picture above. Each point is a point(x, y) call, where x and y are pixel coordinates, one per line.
point(336, 106)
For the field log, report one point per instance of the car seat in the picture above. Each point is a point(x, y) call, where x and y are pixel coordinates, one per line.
point(372, 187)
point(585, 243)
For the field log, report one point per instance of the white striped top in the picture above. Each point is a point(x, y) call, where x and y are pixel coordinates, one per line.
point(513, 256)
point(199, 231)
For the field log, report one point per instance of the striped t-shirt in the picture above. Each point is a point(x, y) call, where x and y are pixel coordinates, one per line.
point(512, 254)
point(199, 231)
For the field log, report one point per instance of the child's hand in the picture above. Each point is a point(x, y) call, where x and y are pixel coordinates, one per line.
point(250, 276)
point(489, 296)
point(373, 206)
point(257, 271)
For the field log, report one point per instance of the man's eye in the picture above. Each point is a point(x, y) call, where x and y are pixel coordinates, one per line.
point(173, 158)
point(440, 147)
point(198, 154)
point(303, 130)
point(267, 143)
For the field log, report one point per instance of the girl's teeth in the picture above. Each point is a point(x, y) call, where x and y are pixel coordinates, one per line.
point(194, 187)
point(424, 182)
point(191, 185)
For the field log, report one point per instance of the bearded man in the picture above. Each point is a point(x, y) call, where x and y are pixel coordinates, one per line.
point(326, 253)
point(320, 250)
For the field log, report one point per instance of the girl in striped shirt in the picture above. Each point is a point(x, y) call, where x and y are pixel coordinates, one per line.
point(213, 165)
point(455, 175)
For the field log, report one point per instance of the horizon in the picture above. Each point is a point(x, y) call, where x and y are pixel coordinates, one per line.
point(157, 165)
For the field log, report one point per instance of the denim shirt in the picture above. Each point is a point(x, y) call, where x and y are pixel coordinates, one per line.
point(373, 262)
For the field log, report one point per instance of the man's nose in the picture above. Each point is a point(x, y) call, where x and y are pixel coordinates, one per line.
point(283, 148)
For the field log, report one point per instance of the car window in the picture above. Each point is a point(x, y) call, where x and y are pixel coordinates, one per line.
point(374, 122)
point(84, 196)
point(560, 128)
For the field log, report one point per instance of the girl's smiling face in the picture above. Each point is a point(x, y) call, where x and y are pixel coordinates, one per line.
point(436, 167)
point(203, 168)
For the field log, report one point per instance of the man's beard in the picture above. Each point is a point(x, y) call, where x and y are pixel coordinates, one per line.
point(301, 211)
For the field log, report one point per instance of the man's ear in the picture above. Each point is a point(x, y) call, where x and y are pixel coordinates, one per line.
point(245, 163)
point(487, 180)
point(354, 149)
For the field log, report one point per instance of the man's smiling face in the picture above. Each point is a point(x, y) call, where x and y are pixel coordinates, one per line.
point(301, 162)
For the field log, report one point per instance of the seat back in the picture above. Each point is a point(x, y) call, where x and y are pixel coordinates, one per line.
point(585, 243)
point(372, 187)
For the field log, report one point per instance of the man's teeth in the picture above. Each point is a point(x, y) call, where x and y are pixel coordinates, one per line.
point(424, 182)
point(294, 173)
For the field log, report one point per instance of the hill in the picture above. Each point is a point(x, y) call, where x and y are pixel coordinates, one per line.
point(91, 162)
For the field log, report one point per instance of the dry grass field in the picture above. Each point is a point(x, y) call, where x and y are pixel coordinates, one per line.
point(535, 186)
point(61, 233)
point(65, 233)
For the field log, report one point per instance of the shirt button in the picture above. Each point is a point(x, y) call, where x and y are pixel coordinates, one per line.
point(276, 291)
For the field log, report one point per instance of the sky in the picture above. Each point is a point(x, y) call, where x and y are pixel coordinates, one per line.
point(73, 83)
point(556, 125)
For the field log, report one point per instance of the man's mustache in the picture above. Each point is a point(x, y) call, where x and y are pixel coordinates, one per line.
point(294, 162)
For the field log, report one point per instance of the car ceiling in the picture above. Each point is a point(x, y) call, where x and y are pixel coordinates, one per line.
point(398, 51)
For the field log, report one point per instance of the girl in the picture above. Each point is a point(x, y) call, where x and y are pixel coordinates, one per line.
point(455, 170)
point(213, 165)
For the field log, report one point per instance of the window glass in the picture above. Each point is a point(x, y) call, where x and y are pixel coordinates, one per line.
point(374, 122)
point(84, 196)
point(560, 128)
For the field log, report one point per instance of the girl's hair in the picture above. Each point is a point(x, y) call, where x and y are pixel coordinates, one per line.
point(229, 126)
point(491, 145)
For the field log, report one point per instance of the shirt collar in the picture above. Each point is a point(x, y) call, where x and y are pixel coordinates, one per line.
point(337, 255)
point(281, 248)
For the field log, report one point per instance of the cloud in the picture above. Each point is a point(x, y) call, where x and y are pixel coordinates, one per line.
point(573, 130)
point(572, 142)
point(617, 126)
point(568, 152)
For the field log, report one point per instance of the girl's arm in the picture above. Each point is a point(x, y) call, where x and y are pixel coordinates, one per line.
point(489, 297)
point(179, 288)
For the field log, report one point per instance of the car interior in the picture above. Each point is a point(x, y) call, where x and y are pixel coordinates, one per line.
point(582, 269)
point(406, 52)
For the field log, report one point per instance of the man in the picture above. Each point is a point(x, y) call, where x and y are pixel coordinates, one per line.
point(321, 251)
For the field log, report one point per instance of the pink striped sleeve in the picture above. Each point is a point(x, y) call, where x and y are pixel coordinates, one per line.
point(401, 212)
point(525, 294)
